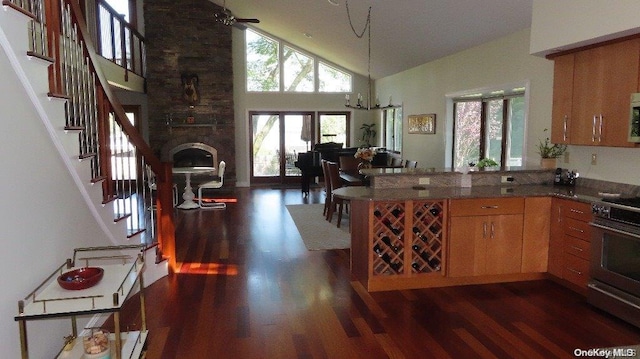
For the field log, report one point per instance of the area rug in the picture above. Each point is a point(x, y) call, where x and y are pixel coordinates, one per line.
point(316, 232)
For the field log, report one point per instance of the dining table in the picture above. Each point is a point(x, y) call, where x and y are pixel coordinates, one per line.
point(188, 194)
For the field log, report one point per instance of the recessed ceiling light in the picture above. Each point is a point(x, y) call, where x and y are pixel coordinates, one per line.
point(333, 2)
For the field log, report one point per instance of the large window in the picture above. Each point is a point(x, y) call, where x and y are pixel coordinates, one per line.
point(392, 129)
point(273, 66)
point(489, 127)
point(263, 63)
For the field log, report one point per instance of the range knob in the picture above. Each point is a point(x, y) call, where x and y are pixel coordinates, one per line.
point(600, 210)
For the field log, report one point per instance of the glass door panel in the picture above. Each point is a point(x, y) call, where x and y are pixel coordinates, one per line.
point(295, 134)
point(277, 139)
point(265, 145)
point(334, 127)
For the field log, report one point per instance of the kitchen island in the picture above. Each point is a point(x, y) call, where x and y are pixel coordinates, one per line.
point(442, 235)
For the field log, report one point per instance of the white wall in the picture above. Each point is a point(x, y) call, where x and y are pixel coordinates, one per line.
point(43, 217)
point(423, 89)
point(560, 25)
point(245, 102)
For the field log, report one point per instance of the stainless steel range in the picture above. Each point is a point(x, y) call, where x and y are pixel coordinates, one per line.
point(615, 258)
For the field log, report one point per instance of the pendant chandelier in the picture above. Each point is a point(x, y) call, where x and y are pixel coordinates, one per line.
point(361, 103)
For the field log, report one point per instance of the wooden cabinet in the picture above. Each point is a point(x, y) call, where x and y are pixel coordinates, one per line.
point(569, 247)
point(562, 99)
point(599, 89)
point(485, 236)
point(398, 244)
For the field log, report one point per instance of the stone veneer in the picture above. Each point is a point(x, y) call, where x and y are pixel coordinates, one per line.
point(183, 37)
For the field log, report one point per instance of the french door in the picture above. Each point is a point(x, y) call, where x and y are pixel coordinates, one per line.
point(276, 140)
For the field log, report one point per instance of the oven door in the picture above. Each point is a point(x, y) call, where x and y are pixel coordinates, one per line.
point(615, 258)
point(615, 272)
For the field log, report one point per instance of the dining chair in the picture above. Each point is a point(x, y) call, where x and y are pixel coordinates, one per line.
point(217, 183)
point(335, 182)
point(410, 164)
point(327, 189)
point(349, 164)
point(396, 162)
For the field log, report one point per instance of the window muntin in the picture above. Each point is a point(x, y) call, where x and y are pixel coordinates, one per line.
point(332, 80)
point(263, 62)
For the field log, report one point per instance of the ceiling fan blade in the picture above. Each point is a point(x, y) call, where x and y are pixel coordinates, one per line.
point(254, 21)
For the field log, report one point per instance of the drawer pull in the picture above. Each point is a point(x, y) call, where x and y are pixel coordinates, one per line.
point(577, 248)
point(575, 271)
point(576, 211)
point(576, 229)
point(489, 207)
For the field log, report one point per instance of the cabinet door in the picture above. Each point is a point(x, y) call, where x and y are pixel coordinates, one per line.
point(562, 98)
point(603, 80)
point(588, 76)
point(556, 247)
point(619, 82)
point(466, 246)
point(504, 244)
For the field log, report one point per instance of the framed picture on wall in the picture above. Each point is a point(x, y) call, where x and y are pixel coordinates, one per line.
point(422, 124)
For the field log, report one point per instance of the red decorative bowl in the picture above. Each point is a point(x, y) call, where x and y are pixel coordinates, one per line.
point(81, 278)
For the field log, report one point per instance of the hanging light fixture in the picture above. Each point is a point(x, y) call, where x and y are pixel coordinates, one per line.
point(361, 103)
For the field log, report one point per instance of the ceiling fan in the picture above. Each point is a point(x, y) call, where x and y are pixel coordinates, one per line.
point(227, 18)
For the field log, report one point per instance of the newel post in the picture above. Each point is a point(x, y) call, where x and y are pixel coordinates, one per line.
point(166, 225)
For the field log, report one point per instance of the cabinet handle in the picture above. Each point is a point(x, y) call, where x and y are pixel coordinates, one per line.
point(593, 128)
point(576, 229)
point(565, 121)
point(577, 248)
point(484, 229)
point(493, 230)
point(489, 207)
point(575, 271)
point(576, 211)
point(600, 129)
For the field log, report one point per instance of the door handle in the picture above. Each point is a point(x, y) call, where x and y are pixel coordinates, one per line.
point(484, 230)
point(493, 230)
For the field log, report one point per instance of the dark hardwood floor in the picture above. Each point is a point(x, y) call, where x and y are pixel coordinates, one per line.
point(249, 288)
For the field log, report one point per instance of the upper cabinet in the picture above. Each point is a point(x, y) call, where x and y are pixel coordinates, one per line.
point(562, 98)
point(592, 90)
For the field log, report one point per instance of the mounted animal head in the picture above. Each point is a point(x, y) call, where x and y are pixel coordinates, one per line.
point(190, 88)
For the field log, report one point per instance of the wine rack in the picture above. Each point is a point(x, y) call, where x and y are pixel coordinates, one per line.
point(388, 242)
point(427, 234)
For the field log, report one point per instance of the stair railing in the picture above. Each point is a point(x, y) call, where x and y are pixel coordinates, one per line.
point(120, 159)
point(117, 40)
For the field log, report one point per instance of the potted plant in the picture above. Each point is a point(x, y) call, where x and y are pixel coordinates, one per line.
point(549, 152)
point(484, 163)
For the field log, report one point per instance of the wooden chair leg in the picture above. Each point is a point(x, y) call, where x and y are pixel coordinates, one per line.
point(339, 213)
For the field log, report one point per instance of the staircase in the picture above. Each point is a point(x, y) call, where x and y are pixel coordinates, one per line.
point(49, 49)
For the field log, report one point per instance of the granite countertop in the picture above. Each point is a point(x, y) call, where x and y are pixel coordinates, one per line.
point(578, 193)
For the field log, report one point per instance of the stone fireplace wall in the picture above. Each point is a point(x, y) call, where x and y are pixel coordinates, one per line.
point(184, 38)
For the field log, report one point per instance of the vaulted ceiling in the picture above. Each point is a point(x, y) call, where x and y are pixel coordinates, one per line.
point(404, 33)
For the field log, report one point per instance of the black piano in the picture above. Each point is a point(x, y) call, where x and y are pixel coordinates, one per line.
point(310, 164)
